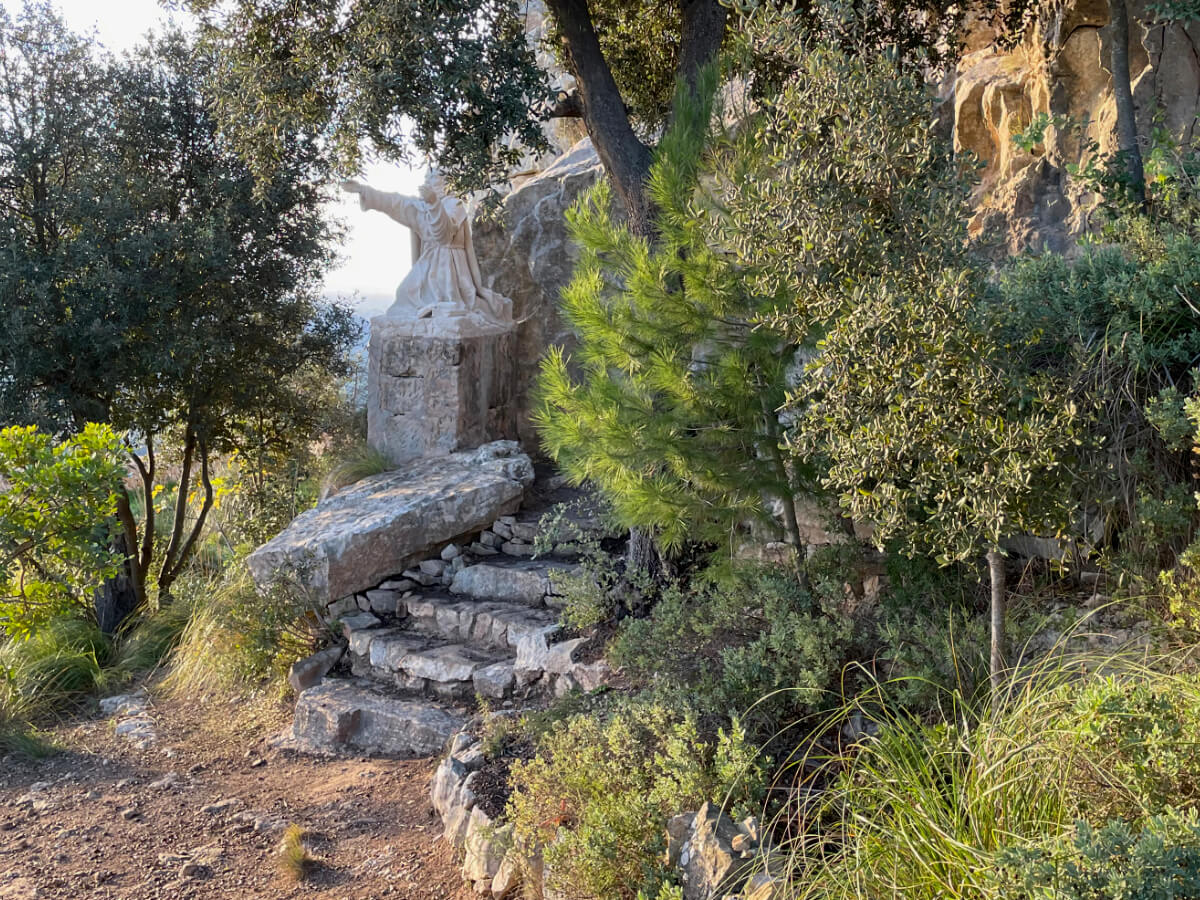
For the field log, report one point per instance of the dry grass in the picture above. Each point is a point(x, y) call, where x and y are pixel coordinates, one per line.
point(293, 857)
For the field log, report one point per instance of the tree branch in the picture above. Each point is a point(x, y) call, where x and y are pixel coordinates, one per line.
point(198, 527)
point(185, 479)
point(129, 526)
point(146, 471)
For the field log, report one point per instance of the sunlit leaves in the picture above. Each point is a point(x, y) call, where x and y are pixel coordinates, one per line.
point(56, 501)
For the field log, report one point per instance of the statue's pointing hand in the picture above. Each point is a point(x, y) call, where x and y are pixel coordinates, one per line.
point(351, 186)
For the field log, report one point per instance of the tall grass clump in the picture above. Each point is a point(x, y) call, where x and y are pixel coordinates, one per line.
point(239, 640)
point(293, 857)
point(357, 463)
point(61, 667)
point(920, 810)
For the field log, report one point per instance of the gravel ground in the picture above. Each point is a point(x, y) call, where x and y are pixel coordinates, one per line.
point(199, 812)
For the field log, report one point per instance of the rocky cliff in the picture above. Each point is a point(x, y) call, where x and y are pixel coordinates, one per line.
point(1025, 200)
point(525, 253)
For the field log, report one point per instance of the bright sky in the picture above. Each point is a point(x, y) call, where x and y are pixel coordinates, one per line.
point(376, 253)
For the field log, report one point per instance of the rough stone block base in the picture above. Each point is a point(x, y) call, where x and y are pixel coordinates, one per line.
point(439, 385)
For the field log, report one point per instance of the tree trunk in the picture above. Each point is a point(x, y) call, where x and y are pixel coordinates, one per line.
point(995, 563)
point(118, 597)
point(787, 493)
point(702, 32)
point(642, 559)
point(1127, 136)
point(625, 158)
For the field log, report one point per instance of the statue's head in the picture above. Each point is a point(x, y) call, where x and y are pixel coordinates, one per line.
point(433, 188)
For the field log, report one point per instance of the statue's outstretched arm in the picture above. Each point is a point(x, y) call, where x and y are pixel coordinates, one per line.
point(402, 208)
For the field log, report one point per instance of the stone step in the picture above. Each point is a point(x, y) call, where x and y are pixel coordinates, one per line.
point(529, 582)
point(344, 716)
point(420, 663)
point(480, 623)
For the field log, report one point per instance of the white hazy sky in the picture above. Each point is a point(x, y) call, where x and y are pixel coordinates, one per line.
point(376, 254)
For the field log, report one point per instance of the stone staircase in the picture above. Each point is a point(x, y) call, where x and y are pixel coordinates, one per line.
point(478, 621)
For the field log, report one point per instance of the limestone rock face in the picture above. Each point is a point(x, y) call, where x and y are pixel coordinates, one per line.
point(355, 539)
point(1025, 200)
point(527, 255)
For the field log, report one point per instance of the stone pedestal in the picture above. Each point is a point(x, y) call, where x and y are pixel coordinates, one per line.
point(438, 385)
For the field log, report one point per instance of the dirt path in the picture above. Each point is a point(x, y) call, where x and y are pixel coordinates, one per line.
point(200, 815)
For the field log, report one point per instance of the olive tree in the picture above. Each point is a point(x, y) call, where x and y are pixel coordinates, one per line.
point(930, 436)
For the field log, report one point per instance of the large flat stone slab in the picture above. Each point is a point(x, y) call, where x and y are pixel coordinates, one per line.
point(347, 716)
point(383, 524)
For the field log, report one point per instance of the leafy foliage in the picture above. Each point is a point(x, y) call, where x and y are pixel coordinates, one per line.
point(1141, 734)
point(929, 438)
point(594, 798)
point(836, 179)
point(1115, 862)
point(147, 283)
point(749, 642)
point(56, 501)
point(1120, 319)
point(451, 80)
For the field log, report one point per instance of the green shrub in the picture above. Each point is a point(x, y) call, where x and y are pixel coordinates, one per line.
point(1142, 737)
point(750, 641)
point(58, 502)
point(1159, 860)
point(1119, 319)
point(932, 642)
point(596, 798)
point(599, 590)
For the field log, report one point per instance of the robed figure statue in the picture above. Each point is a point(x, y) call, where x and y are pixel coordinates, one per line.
point(444, 279)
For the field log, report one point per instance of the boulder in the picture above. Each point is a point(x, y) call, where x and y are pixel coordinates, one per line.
point(709, 864)
point(527, 254)
point(495, 682)
point(355, 539)
point(346, 716)
point(484, 847)
point(363, 621)
point(447, 781)
point(533, 649)
point(526, 582)
point(384, 602)
point(508, 878)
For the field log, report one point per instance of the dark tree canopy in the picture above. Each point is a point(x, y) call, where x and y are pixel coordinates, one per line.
point(146, 280)
point(448, 79)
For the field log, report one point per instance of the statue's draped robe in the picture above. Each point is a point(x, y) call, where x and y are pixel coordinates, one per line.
point(445, 278)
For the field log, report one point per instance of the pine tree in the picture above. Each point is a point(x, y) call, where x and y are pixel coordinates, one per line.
point(669, 406)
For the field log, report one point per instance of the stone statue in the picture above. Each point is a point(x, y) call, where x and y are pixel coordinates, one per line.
point(445, 279)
